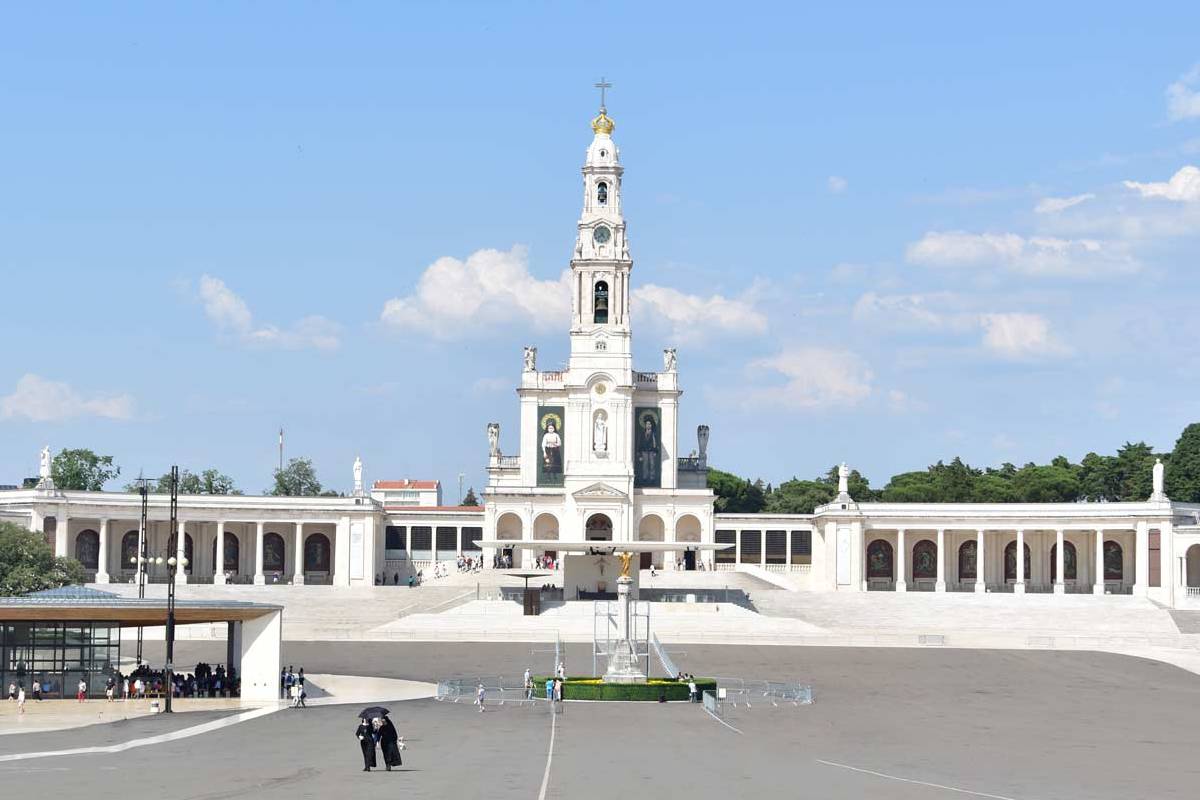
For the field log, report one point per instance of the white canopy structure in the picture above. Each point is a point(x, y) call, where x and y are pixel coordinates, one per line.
point(601, 546)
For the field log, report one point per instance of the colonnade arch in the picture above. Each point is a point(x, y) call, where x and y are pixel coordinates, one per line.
point(1193, 565)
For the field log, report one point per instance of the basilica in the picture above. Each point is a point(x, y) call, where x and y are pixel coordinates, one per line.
point(597, 471)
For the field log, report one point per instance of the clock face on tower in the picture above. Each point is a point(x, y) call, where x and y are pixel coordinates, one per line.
point(601, 234)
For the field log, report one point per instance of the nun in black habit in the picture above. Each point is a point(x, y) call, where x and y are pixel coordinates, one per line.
point(389, 743)
point(366, 741)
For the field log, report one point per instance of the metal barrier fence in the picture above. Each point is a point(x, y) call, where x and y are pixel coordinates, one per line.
point(497, 691)
point(741, 692)
point(712, 704)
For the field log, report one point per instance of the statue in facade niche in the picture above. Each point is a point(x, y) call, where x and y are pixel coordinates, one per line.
point(530, 359)
point(843, 480)
point(1159, 491)
point(493, 434)
point(669, 361)
point(600, 434)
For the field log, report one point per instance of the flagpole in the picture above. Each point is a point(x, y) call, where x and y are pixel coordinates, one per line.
point(281, 449)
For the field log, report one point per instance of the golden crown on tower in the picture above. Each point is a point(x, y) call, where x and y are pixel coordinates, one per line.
point(602, 123)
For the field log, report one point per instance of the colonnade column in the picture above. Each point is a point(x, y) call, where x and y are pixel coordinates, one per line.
point(1141, 559)
point(980, 585)
point(180, 551)
point(901, 584)
point(259, 578)
point(298, 559)
point(737, 548)
point(940, 586)
point(1098, 586)
point(102, 563)
point(1019, 586)
point(1060, 577)
point(62, 530)
point(219, 555)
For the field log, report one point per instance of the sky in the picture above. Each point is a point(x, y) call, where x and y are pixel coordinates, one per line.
point(884, 234)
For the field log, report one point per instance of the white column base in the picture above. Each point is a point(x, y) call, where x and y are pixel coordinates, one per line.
point(298, 580)
point(180, 579)
point(1098, 588)
point(980, 587)
point(1060, 588)
point(940, 586)
point(260, 580)
point(901, 586)
point(219, 579)
point(1139, 590)
point(1018, 588)
point(102, 577)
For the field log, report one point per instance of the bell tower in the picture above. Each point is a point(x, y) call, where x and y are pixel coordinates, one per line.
point(601, 264)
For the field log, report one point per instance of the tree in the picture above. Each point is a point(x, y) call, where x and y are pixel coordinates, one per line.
point(1183, 467)
point(28, 564)
point(735, 495)
point(82, 470)
point(799, 497)
point(1134, 468)
point(297, 479)
point(470, 499)
point(210, 481)
point(857, 485)
point(1046, 484)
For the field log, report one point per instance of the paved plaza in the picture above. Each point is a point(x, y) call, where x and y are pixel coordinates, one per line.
point(887, 722)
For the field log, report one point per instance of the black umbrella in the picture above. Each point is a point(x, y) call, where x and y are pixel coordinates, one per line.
point(370, 712)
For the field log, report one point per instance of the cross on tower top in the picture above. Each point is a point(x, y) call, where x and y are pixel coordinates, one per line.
point(602, 85)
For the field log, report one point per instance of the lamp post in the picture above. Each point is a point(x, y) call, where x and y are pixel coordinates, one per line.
point(173, 562)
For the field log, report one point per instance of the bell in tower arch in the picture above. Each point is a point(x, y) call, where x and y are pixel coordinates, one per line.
point(600, 303)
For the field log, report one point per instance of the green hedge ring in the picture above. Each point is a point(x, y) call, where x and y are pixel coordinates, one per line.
point(654, 689)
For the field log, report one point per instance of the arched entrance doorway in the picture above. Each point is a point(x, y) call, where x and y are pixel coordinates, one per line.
point(273, 550)
point(1010, 561)
point(129, 550)
point(967, 563)
point(508, 527)
point(316, 553)
point(230, 556)
point(599, 528)
point(545, 526)
point(1114, 561)
point(651, 528)
point(687, 529)
point(1070, 564)
point(1193, 565)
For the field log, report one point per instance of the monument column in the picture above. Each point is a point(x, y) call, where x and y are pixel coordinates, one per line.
point(1141, 564)
point(62, 531)
point(1098, 587)
point(980, 561)
point(219, 555)
point(940, 586)
point(259, 578)
point(901, 584)
point(102, 563)
point(298, 557)
point(1060, 576)
point(1019, 586)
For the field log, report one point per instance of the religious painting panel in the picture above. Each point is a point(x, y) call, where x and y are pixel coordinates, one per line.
point(967, 562)
point(879, 559)
point(129, 550)
point(1114, 561)
point(187, 554)
point(316, 553)
point(273, 553)
point(87, 549)
point(1010, 561)
point(924, 560)
point(232, 554)
point(551, 443)
point(647, 449)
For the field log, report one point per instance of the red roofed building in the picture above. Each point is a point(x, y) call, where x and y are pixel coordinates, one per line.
point(407, 493)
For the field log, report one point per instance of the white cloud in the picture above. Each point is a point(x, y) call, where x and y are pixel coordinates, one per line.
point(1053, 205)
point(1184, 186)
point(921, 311)
point(1020, 336)
point(1183, 97)
point(814, 378)
point(41, 400)
point(1040, 256)
point(229, 312)
point(690, 315)
point(837, 184)
point(455, 298)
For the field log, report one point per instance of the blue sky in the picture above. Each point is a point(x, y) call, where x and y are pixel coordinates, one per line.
point(878, 234)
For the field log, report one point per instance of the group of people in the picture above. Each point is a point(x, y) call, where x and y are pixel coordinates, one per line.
point(379, 731)
point(469, 563)
point(291, 687)
point(690, 679)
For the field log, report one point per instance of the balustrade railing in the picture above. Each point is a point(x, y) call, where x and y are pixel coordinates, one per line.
point(508, 462)
point(692, 464)
point(645, 377)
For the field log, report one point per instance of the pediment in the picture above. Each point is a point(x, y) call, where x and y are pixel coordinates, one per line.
point(600, 490)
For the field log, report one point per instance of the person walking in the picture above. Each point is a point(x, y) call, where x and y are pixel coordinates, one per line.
point(125, 689)
point(21, 699)
point(12, 692)
point(110, 687)
point(366, 742)
point(693, 695)
point(479, 694)
point(37, 690)
point(139, 688)
point(389, 744)
point(558, 690)
point(528, 684)
point(81, 690)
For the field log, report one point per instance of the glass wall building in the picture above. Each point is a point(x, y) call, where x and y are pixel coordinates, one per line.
point(58, 655)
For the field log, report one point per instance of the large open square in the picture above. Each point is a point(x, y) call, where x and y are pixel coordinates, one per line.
point(894, 723)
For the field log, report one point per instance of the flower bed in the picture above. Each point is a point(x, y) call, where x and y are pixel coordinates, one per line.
point(589, 688)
